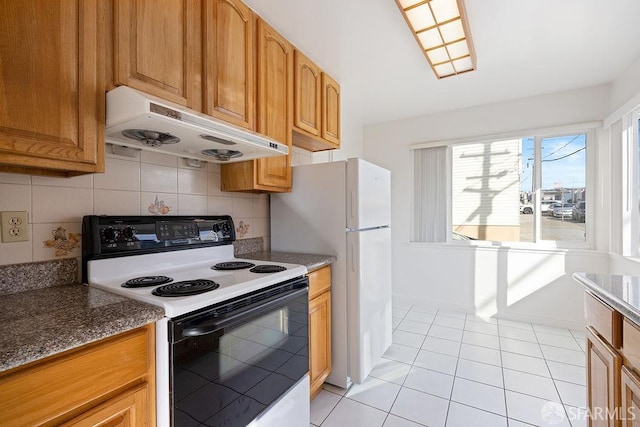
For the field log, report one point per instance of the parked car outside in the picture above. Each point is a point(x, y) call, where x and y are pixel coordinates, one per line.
point(546, 207)
point(526, 208)
point(458, 236)
point(578, 213)
point(561, 210)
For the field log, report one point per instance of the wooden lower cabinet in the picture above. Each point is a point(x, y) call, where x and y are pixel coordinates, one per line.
point(603, 379)
point(128, 409)
point(110, 382)
point(319, 328)
point(630, 409)
point(613, 366)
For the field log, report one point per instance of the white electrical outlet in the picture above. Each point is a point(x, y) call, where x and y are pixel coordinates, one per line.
point(15, 226)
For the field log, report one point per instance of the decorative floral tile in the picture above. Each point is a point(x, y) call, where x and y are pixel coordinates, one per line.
point(242, 230)
point(63, 242)
point(56, 240)
point(158, 207)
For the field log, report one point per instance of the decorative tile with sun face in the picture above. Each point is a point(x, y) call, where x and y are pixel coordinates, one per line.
point(63, 242)
point(242, 229)
point(158, 207)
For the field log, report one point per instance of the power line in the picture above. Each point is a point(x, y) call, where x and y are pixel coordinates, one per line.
point(550, 154)
point(563, 157)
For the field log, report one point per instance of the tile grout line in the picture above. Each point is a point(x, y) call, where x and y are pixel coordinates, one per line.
point(411, 367)
point(458, 358)
point(504, 385)
point(555, 386)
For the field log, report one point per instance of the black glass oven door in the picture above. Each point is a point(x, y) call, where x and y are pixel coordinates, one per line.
point(229, 364)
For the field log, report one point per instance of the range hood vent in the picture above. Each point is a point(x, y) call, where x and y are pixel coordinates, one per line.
point(138, 120)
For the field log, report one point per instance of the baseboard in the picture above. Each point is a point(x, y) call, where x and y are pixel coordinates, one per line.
point(403, 300)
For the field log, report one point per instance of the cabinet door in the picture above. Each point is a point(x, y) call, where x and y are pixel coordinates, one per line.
point(307, 88)
point(275, 99)
point(228, 62)
point(603, 379)
point(158, 48)
point(52, 86)
point(630, 411)
point(330, 109)
point(319, 340)
point(125, 410)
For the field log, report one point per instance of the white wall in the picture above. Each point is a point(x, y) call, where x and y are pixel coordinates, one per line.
point(519, 284)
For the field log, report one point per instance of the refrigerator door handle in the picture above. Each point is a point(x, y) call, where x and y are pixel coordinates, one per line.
point(358, 230)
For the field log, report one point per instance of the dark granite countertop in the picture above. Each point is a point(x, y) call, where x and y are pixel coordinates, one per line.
point(38, 323)
point(619, 291)
point(311, 261)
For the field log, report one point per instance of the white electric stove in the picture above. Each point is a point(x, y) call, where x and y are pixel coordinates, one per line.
point(232, 349)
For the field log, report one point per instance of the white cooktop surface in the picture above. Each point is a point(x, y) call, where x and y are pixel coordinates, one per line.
point(110, 274)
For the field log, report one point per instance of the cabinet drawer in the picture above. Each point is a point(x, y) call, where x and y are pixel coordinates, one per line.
point(66, 384)
point(319, 281)
point(604, 319)
point(631, 343)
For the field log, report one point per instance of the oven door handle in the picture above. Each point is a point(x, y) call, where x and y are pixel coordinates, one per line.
point(233, 316)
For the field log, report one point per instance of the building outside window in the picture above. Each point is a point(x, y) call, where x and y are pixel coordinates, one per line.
point(528, 189)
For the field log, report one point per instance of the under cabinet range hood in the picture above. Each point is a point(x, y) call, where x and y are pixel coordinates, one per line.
point(138, 120)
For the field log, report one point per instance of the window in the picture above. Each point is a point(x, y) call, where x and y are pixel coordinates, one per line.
point(526, 189)
point(563, 170)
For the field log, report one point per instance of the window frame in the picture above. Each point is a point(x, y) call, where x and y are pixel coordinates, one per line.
point(588, 128)
point(630, 212)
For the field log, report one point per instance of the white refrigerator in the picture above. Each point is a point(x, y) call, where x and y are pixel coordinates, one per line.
point(343, 209)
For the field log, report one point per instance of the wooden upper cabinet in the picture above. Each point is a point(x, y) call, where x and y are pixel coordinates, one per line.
point(158, 48)
point(307, 89)
point(274, 117)
point(330, 109)
point(275, 101)
point(229, 67)
point(316, 124)
point(52, 83)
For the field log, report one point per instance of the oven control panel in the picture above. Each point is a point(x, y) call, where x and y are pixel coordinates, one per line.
point(110, 234)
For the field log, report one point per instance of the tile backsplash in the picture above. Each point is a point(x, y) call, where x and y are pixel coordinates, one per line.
point(152, 184)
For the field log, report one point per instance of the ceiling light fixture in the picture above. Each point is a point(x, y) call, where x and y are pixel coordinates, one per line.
point(442, 31)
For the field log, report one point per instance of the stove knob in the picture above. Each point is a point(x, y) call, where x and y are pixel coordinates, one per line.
point(129, 233)
point(216, 228)
point(110, 234)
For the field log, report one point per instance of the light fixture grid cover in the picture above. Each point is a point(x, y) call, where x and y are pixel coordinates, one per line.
point(407, 5)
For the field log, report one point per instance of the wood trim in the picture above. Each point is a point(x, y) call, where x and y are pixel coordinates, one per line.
point(311, 142)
